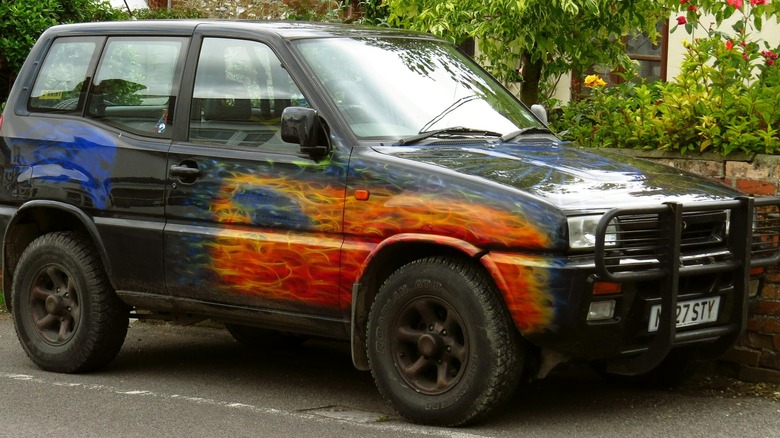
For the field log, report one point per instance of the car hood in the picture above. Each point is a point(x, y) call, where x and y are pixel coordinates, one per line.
point(569, 177)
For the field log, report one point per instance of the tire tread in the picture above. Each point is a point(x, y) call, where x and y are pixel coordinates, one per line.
point(107, 315)
point(506, 373)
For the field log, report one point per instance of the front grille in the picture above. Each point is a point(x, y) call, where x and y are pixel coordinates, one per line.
point(646, 243)
point(642, 235)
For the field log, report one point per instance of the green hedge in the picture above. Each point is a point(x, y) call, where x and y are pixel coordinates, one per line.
point(727, 99)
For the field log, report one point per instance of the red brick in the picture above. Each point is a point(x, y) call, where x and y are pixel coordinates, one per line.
point(770, 326)
point(758, 341)
point(777, 342)
point(771, 291)
point(773, 277)
point(758, 375)
point(764, 307)
point(743, 356)
point(770, 359)
point(752, 187)
point(755, 323)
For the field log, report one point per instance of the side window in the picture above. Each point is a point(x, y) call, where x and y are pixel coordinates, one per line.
point(240, 92)
point(134, 85)
point(62, 82)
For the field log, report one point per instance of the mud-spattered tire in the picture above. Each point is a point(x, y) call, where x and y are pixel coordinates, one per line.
point(67, 317)
point(442, 347)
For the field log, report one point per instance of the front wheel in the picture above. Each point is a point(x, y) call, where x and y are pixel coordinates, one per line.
point(441, 345)
point(67, 317)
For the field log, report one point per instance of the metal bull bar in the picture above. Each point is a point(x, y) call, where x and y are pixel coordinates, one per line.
point(627, 255)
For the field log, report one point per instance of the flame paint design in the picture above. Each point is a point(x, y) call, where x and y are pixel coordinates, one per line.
point(525, 289)
point(291, 266)
point(312, 267)
point(280, 267)
point(386, 214)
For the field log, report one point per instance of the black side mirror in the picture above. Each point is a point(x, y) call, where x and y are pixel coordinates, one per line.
point(304, 126)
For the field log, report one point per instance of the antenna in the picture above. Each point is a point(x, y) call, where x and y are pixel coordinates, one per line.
point(129, 11)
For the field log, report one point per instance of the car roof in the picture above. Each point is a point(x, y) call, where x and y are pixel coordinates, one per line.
point(287, 30)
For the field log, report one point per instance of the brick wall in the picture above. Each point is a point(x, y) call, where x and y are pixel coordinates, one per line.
point(757, 357)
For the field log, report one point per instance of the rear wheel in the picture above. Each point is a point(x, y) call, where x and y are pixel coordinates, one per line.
point(441, 345)
point(67, 317)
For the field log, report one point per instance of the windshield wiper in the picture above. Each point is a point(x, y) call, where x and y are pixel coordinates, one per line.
point(455, 130)
point(529, 130)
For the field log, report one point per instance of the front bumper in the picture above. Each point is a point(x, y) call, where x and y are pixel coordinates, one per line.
point(661, 255)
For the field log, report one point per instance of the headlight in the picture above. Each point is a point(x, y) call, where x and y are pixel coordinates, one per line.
point(582, 232)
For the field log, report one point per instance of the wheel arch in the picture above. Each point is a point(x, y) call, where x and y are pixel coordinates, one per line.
point(386, 258)
point(35, 219)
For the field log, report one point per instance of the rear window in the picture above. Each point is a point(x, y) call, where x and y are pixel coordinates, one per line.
point(62, 82)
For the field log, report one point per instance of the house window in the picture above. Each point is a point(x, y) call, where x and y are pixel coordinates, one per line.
point(651, 59)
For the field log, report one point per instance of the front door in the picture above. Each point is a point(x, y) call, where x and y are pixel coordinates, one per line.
point(250, 221)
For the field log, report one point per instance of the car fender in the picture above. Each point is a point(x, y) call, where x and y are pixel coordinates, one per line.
point(360, 305)
point(79, 216)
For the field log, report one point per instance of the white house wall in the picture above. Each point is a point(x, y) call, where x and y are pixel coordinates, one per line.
point(770, 32)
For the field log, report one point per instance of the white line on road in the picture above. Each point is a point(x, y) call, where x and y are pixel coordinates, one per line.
point(359, 419)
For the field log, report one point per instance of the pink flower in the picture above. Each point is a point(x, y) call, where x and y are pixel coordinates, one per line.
point(736, 3)
point(682, 2)
point(757, 2)
point(729, 45)
point(745, 56)
point(693, 8)
point(770, 62)
point(681, 20)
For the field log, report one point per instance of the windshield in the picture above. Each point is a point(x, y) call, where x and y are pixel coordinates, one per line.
point(393, 88)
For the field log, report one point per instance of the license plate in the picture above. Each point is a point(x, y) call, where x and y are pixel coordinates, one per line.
point(689, 313)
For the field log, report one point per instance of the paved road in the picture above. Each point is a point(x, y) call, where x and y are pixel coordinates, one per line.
point(197, 382)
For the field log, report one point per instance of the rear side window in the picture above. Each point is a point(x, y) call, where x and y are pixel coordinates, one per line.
point(63, 80)
point(135, 84)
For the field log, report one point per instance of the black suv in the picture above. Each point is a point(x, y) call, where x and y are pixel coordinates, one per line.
point(293, 180)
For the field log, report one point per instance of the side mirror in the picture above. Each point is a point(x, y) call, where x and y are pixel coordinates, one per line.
point(303, 126)
point(540, 112)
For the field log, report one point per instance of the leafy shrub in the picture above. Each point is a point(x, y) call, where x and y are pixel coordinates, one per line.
point(23, 21)
point(726, 98)
point(308, 10)
point(165, 14)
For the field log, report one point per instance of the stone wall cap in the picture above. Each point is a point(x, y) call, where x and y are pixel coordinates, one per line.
point(699, 156)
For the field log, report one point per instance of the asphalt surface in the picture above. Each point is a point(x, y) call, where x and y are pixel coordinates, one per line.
point(196, 381)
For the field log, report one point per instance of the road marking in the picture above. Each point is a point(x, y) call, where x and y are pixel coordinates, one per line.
point(327, 414)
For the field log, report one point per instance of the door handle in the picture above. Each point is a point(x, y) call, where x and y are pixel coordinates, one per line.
point(185, 171)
